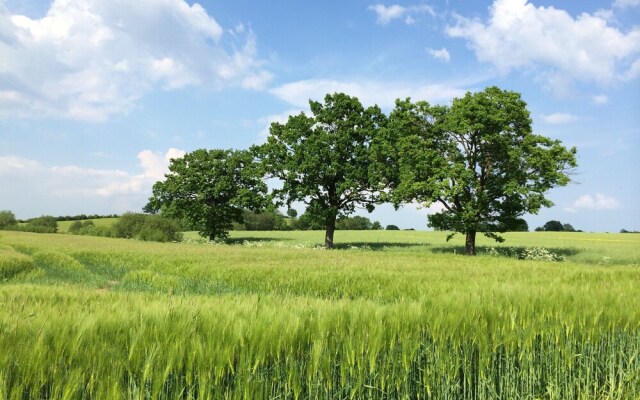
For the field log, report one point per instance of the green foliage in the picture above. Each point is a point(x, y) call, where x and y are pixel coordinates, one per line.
point(307, 221)
point(355, 223)
point(129, 225)
point(43, 224)
point(210, 189)
point(147, 227)
point(392, 228)
point(324, 160)
point(527, 253)
point(292, 213)
point(263, 221)
point(478, 158)
point(7, 219)
point(555, 226)
point(82, 217)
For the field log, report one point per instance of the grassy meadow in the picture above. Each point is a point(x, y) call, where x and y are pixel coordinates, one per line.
point(388, 315)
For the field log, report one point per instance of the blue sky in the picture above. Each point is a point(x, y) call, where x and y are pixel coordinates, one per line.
point(96, 95)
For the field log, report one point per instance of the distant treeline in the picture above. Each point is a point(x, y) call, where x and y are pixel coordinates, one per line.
point(275, 221)
point(79, 217)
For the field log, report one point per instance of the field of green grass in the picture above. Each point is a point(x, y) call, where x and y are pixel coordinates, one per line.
point(388, 315)
point(63, 226)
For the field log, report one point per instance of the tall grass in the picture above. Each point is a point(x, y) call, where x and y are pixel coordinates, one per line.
point(109, 318)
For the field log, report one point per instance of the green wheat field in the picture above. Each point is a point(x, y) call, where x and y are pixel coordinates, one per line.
point(387, 315)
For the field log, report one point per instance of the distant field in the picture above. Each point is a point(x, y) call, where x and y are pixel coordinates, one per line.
point(63, 226)
point(389, 314)
point(590, 248)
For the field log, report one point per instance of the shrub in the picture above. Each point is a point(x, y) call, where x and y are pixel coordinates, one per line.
point(44, 224)
point(529, 253)
point(147, 227)
point(129, 225)
point(392, 228)
point(45, 221)
point(539, 254)
point(159, 229)
point(355, 223)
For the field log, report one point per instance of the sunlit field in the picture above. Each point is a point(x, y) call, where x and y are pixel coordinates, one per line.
point(389, 314)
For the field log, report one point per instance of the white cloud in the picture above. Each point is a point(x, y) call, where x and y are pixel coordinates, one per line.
point(382, 93)
point(90, 59)
point(626, 3)
point(386, 14)
point(257, 81)
point(155, 164)
point(553, 43)
point(70, 189)
point(599, 99)
point(442, 54)
point(280, 118)
point(559, 118)
point(594, 203)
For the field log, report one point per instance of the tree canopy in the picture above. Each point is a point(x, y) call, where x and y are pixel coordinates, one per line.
point(324, 160)
point(210, 189)
point(478, 158)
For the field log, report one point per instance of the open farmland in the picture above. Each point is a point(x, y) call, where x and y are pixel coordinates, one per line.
point(387, 315)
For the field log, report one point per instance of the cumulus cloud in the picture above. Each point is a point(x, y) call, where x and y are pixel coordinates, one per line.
point(70, 189)
point(386, 14)
point(382, 93)
point(593, 203)
point(442, 54)
point(90, 59)
point(559, 118)
point(558, 46)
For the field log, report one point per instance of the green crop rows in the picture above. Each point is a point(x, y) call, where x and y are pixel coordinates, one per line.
point(390, 315)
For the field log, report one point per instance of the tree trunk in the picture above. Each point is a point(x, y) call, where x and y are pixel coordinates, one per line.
point(470, 243)
point(330, 229)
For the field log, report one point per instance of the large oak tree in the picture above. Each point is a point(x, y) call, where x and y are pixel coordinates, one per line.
point(324, 160)
point(477, 158)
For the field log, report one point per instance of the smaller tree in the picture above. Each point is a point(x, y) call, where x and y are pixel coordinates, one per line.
point(553, 226)
point(556, 226)
point(7, 219)
point(392, 228)
point(292, 213)
point(210, 189)
point(308, 222)
point(269, 220)
point(355, 223)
